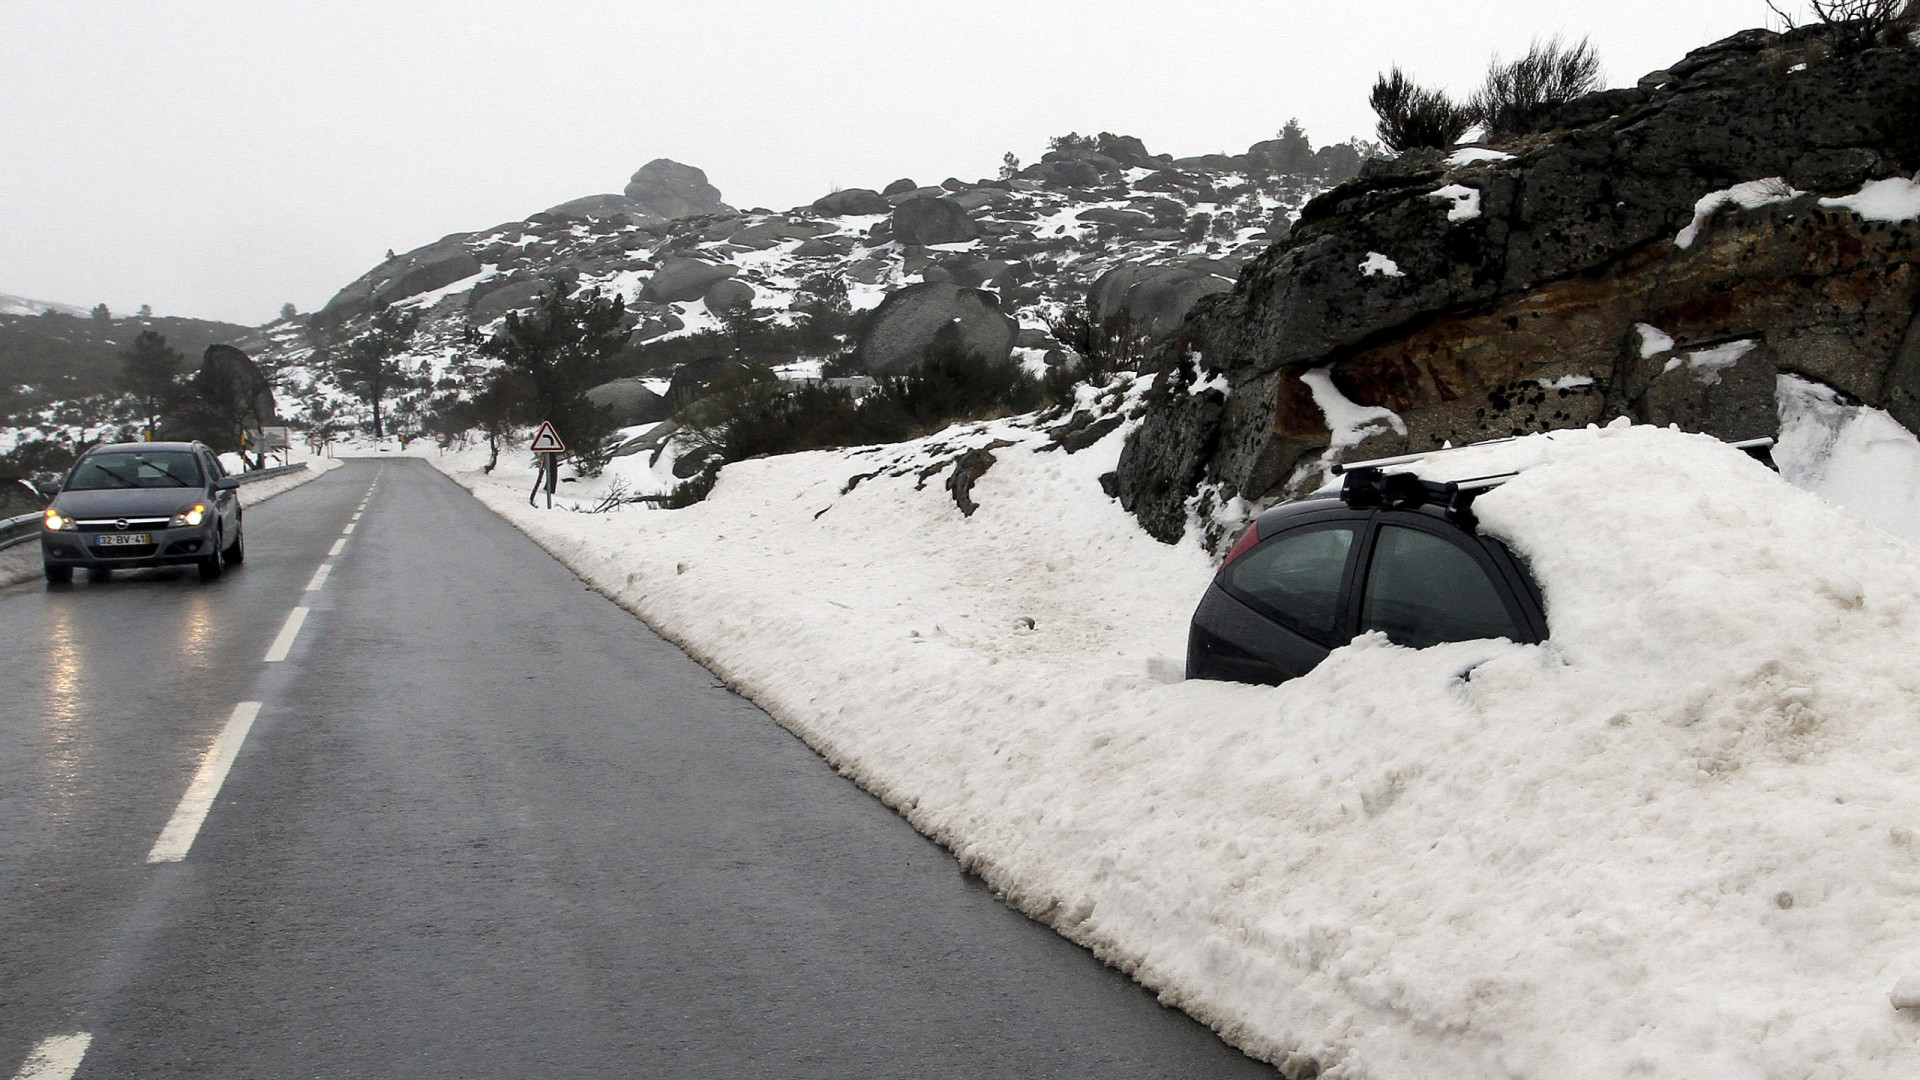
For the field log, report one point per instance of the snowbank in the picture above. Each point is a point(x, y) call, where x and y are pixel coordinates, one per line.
point(1677, 841)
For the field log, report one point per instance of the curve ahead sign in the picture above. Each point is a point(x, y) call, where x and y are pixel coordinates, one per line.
point(547, 440)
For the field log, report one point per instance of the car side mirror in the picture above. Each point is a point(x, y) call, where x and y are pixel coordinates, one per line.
point(48, 488)
point(225, 483)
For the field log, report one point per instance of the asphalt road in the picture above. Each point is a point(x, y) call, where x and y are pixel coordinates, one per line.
point(485, 824)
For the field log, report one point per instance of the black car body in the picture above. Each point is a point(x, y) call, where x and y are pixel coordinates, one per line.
point(128, 505)
point(1390, 553)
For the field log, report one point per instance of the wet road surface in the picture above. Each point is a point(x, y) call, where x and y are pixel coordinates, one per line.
point(401, 797)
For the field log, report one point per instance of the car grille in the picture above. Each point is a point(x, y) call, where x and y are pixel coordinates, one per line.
point(143, 524)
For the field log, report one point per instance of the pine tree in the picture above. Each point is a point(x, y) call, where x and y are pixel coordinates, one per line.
point(562, 350)
point(150, 374)
point(372, 365)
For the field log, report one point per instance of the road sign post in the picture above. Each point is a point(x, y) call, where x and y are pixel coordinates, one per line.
point(546, 443)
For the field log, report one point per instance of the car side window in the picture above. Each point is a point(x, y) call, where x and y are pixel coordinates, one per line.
point(214, 469)
point(1423, 590)
point(1296, 578)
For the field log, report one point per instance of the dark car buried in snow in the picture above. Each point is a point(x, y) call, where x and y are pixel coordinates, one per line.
point(1389, 552)
point(129, 505)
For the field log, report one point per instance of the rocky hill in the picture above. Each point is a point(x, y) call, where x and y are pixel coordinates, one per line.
point(53, 357)
point(1141, 233)
point(1663, 252)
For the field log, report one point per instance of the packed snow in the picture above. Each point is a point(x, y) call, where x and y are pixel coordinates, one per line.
point(1751, 195)
point(1653, 340)
point(1464, 200)
point(1707, 364)
point(1473, 155)
point(1677, 841)
point(1894, 199)
point(1377, 264)
point(1347, 422)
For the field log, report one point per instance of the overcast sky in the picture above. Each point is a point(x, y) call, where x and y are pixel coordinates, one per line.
point(219, 159)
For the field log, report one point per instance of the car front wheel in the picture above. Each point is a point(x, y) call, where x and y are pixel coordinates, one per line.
point(213, 565)
point(58, 574)
point(237, 551)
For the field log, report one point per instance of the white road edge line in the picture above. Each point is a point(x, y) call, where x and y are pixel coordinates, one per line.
point(320, 577)
point(56, 1057)
point(338, 547)
point(283, 644)
point(178, 836)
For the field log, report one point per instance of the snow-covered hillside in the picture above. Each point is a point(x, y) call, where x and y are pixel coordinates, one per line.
point(1038, 241)
point(20, 305)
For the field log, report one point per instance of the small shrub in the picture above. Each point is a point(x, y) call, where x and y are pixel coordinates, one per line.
point(953, 383)
point(1413, 117)
point(1519, 96)
point(1853, 25)
point(751, 412)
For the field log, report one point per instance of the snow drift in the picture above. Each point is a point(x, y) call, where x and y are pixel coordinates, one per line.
point(1677, 840)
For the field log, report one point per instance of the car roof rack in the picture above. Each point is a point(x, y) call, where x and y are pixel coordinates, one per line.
point(1758, 449)
point(1368, 484)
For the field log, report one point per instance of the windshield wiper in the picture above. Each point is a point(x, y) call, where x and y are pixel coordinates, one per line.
point(125, 481)
point(168, 473)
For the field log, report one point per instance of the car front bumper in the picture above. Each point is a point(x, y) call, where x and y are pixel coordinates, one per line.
point(80, 547)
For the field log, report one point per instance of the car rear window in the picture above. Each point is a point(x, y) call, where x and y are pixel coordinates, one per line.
point(1296, 576)
point(1423, 590)
point(149, 469)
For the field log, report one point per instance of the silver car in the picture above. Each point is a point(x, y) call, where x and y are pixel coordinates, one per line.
point(129, 505)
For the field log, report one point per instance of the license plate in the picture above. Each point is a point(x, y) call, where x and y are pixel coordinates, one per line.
point(122, 539)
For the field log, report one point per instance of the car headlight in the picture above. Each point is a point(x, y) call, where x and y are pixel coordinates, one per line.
point(58, 522)
point(193, 516)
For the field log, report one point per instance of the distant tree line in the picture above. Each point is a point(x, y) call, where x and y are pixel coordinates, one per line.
point(224, 403)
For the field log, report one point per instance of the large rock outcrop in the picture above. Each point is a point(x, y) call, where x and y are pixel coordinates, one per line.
point(424, 269)
point(1156, 297)
point(671, 190)
point(1483, 295)
point(932, 221)
point(908, 321)
point(682, 280)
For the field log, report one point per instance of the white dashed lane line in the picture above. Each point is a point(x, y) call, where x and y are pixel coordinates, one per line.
point(319, 577)
point(181, 829)
point(338, 547)
point(348, 531)
point(55, 1058)
point(283, 642)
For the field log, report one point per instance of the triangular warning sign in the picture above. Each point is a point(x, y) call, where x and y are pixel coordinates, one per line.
point(547, 441)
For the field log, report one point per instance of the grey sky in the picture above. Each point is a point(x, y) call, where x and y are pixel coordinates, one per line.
point(217, 159)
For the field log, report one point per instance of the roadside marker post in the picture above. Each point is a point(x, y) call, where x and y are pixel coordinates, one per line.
point(546, 443)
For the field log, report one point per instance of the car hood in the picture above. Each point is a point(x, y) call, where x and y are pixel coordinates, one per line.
point(127, 502)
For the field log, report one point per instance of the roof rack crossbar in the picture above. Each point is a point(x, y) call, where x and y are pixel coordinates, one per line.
point(1340, 469)
point(1482, 483)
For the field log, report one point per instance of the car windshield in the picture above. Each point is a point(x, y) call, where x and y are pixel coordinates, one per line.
point(136, 469)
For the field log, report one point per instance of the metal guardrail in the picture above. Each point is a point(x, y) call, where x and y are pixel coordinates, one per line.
point(19, 530)
point(268, 474)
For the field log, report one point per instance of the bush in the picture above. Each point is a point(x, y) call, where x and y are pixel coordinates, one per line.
point(1413, 117)
point(1853, 25)
point(1518, 97)
point(750, 412)
point(38, 459)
